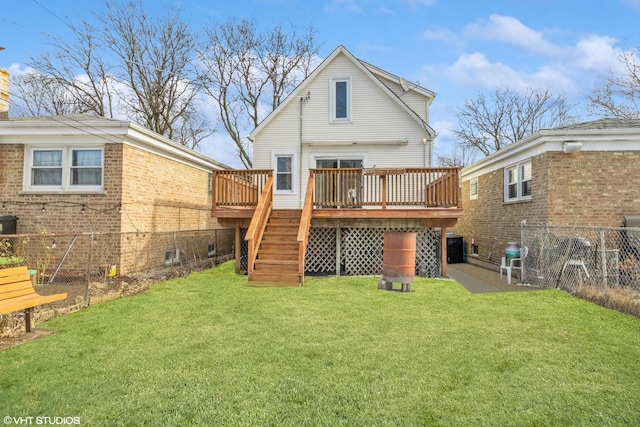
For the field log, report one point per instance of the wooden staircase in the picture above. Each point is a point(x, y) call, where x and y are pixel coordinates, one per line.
point(278, 255)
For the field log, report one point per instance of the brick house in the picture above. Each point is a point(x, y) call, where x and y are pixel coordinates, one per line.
point(579, 175)
point(86, 174)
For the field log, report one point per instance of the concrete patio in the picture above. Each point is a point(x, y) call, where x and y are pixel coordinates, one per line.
point(481, 280)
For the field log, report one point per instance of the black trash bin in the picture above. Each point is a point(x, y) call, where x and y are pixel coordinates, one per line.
point(8, 224)
point(455, 252)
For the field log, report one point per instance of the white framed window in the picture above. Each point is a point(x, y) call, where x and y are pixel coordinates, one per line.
point(517, 182)
point(473, 188)
point(284, 167)
point(66, 169)
point(340, 109)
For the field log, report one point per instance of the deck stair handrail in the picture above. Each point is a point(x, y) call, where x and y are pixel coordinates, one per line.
point(305, 226)
point(238, 188)
point(258, 224)
point(358, 187)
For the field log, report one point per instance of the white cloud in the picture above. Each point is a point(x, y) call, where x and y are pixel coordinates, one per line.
point(445, 133)
point(475, 70)
point(348, 5)
point(510, 30)
point(420, 2)
point(568, 69)
point(596, 53)
point(447, 36)
point(635, 4)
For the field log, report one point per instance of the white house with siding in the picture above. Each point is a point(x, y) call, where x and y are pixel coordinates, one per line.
point(344, 159)
point(346, 114)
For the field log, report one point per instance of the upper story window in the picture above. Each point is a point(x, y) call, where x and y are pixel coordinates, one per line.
point(64, 169)
point(341, 99)
point(517, 182)
point(473, 188)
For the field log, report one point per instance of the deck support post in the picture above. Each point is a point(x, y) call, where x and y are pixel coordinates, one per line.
point(338, 250)
point(443, 251)
point(238, 249)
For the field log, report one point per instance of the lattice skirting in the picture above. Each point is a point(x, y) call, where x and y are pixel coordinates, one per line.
point(361, 251)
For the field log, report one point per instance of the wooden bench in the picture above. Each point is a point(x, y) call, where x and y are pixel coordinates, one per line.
point(17, 293)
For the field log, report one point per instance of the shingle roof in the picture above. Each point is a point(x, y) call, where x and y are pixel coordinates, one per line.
point(605, 124)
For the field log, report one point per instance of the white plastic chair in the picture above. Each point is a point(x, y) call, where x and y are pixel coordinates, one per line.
point(520, 260)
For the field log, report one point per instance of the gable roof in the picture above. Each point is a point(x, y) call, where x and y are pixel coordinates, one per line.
point(108, 131)
point(389, 76)
point(369, 71)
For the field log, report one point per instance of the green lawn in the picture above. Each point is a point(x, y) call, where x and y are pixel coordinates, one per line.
point(207, 350)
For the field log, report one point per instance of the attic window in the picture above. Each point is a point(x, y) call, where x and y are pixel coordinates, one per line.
point(341, 99)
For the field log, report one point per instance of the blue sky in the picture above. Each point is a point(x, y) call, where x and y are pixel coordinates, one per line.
point(455, 48)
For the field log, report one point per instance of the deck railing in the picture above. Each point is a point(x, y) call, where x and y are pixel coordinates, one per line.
point(239, 187)
point(355, 187)
point(305, 225)
point(349, 187)
point(258, 225)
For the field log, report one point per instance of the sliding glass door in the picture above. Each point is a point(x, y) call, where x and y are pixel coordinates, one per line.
point(340, 189)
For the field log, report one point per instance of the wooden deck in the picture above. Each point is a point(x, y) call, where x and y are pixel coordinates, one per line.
point(429, 197)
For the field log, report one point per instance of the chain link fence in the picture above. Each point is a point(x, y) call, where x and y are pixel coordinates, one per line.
point(601, 264)
point(96, 267)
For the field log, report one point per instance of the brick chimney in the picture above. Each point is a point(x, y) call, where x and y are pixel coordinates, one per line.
point(4, 94)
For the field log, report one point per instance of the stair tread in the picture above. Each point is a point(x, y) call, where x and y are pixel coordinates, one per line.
point(276, 261)
point(270, 276)
point(267, 284)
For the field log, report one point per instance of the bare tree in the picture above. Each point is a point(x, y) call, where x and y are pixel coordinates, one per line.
point(155, 62)
point(42, 95)
point(249, 73)
point(459, 155)
point(618, 95)
point(491, 122)
point(135, 65)
point(74, 79)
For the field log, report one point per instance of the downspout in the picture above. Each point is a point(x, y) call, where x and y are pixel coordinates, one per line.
point(303, 100)
point(431, 144)
point(424, 152)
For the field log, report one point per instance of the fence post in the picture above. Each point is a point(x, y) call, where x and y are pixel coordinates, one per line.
point(522, 245)
point(87, 300)
point(603, 258)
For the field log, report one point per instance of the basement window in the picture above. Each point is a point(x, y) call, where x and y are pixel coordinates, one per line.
point(211, 250)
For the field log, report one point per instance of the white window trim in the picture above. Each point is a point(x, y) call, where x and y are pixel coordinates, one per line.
point(274, 166)
point(519, 197)
point(472, 195)
point(66, 186)
point(332, 99)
